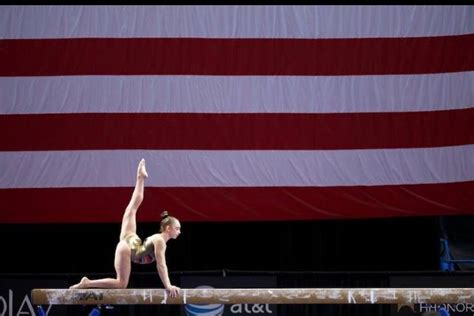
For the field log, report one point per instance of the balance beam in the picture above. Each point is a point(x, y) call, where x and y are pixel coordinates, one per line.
point(399, 296)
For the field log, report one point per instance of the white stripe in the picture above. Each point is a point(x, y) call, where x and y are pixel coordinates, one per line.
point(237, 94)
point(234, 21)
point(200, 168)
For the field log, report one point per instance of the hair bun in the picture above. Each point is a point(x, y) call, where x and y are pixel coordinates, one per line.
point(164, 215)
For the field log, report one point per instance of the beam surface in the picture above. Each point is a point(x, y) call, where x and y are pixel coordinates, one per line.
point(400, 296)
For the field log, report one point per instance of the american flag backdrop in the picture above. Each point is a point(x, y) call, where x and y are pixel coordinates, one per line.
point(241, 112)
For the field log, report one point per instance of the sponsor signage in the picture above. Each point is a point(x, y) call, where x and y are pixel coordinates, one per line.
point(15, 297)
point(233, 282)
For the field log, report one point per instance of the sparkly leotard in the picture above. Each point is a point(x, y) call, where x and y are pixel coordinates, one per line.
point(142, 253)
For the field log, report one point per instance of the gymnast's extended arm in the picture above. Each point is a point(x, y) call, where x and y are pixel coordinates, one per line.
point(160, 247)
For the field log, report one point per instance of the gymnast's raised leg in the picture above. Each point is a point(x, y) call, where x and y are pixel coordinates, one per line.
point(122, 260)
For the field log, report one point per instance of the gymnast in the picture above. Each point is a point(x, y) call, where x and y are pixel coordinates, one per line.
point(130, 247)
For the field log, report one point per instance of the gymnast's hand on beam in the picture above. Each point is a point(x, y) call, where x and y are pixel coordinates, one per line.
point(173, 290)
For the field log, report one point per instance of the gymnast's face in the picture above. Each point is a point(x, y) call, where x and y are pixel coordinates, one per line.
point(174, 230)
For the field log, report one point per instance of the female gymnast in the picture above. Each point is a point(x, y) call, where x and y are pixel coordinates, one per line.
point(130, 247)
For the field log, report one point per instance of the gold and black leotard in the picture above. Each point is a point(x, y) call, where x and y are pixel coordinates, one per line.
point(142, 253)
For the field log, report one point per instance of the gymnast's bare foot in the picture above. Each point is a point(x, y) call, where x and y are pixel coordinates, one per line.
point(81, 284)
point(141, 172)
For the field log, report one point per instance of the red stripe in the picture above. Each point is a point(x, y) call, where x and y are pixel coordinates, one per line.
point(199, 56)
point(234, 204)
point(236, 131)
